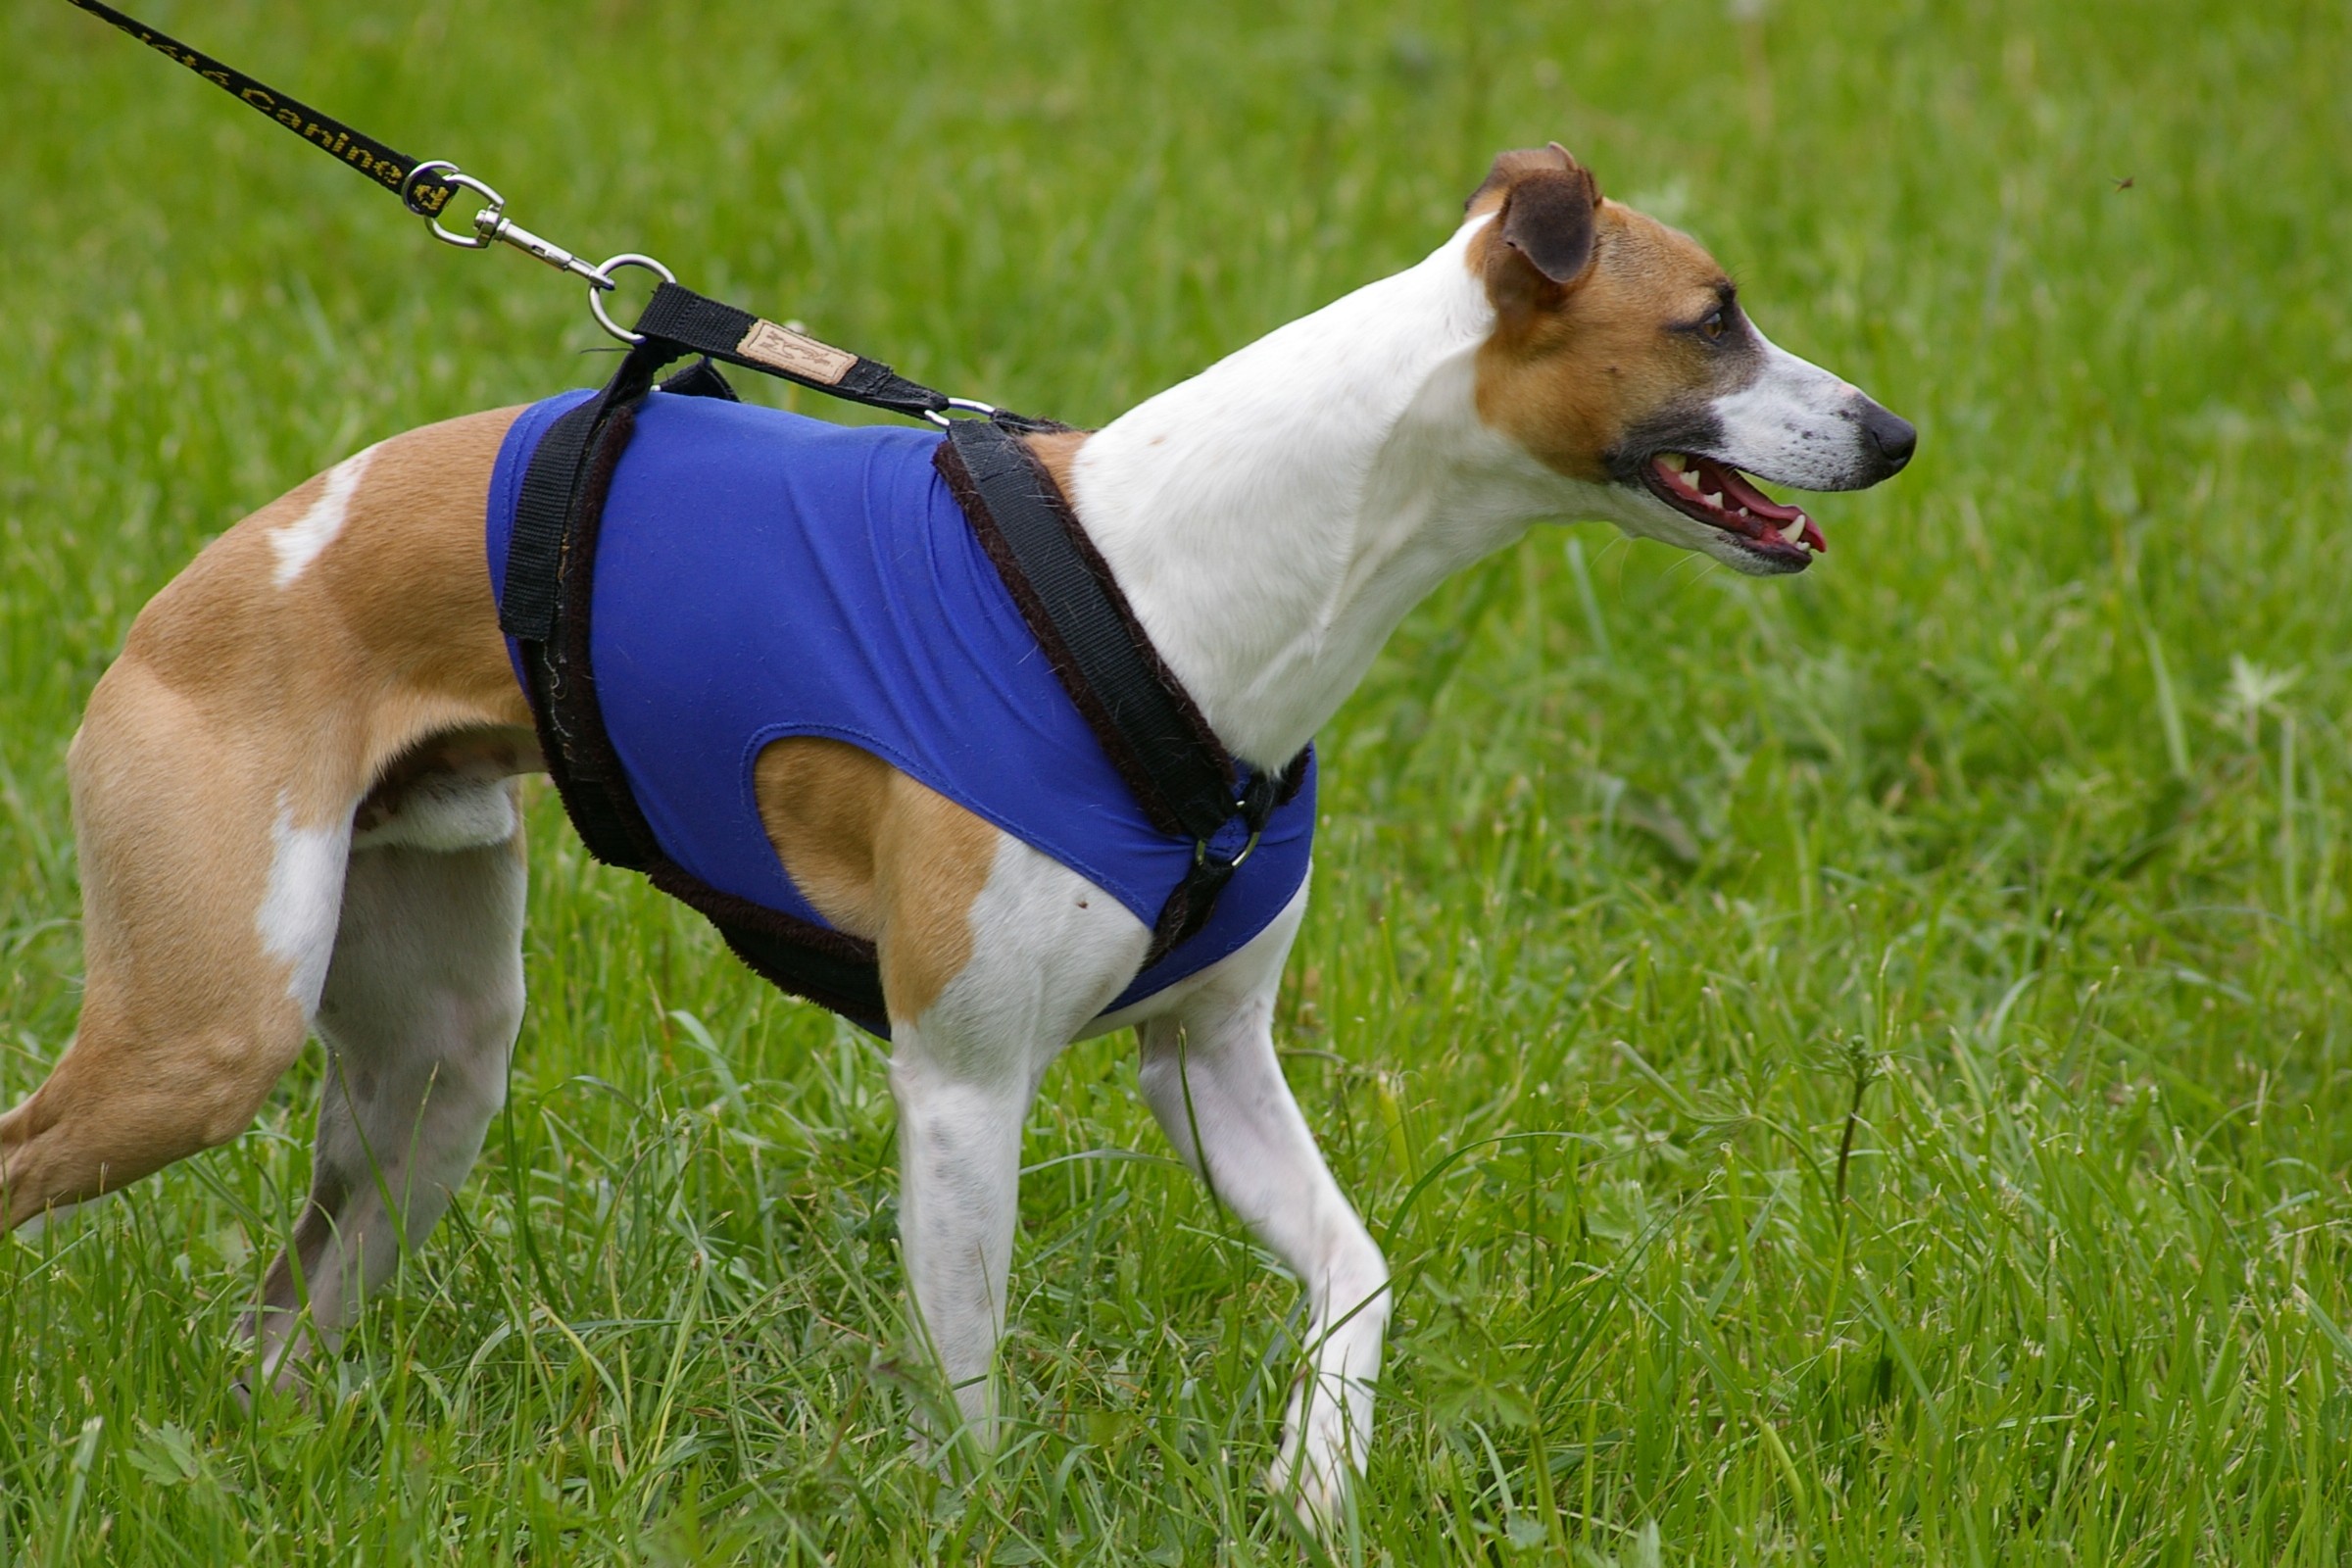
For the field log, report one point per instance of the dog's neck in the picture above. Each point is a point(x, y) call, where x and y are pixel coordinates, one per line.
point(1273, 518)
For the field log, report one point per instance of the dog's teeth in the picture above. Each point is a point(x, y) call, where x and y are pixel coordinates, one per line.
point(1677, 461)
point(1715, 501)
point(1794, 533)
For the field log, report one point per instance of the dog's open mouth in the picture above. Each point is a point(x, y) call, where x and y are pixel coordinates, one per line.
point(1722, 497)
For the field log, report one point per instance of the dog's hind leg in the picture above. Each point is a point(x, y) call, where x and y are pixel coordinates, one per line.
point(420, 1012)
point(1211, 1077)
point(209, 891)
point(259, 698)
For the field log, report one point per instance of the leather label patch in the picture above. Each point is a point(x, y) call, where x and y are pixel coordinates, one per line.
point(786, 350)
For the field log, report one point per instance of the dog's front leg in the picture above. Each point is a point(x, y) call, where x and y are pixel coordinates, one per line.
point(1047, 951)
point(959, 1158)
point(1212, 1079)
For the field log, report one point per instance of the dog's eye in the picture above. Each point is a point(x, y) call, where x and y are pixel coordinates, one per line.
point(1712, 327)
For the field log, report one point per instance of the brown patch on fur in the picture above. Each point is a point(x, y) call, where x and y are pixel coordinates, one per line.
point(934, 858)
point(822, 802)
point(1572, 365)
point(1057, 451)
point(881, 856)
point(396, 608)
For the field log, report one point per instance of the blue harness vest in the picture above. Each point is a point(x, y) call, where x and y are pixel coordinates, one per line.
point(759, 575)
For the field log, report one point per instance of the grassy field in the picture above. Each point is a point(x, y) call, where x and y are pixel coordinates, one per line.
point(1852, 1071)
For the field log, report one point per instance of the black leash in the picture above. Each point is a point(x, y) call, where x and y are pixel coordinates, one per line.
point(1181, 773)
point(425, 186)
point(391, 169)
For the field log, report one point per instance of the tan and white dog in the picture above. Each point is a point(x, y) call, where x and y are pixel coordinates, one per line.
point(296, 804)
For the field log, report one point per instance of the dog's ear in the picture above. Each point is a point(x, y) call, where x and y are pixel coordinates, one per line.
point(1545, 205)
point(1521, 164)
point(1548, 219)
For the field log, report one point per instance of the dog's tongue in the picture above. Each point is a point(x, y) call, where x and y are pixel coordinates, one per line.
point(1733, 486)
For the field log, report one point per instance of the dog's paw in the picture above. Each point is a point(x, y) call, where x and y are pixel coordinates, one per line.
point(1316, 1490)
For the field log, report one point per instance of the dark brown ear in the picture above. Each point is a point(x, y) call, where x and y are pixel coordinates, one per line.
point(1548, 217)
point(1541, 242)
point(1520, 164)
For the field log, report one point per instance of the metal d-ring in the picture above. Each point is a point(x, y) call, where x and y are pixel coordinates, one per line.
point(1200, 850)
point(940, 417)
point(600, 282)
point(485, 222)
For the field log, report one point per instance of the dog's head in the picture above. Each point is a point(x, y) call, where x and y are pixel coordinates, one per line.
point(1621, 357)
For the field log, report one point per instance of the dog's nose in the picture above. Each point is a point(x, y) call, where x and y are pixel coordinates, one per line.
point(1890, 433)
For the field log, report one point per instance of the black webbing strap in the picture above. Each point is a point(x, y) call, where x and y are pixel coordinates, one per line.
point(563, 496)
point(386, 166)
point(549, 501)
point(1196, 896)
point(705, 325)
point(526, 608)
point(1176, 766)
point(1155, 735)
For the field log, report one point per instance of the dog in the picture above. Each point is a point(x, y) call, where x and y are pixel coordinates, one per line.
point(295, 790)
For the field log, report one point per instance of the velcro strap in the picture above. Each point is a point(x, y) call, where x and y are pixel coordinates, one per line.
point(526, 608)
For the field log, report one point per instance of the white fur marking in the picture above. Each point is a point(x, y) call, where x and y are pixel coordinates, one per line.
point(1097, 942)
point(305, 898)
point(299, 542)
point(1048, 951)
point(445, 814)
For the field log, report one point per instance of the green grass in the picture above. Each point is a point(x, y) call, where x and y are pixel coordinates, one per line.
point(2017, 828)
